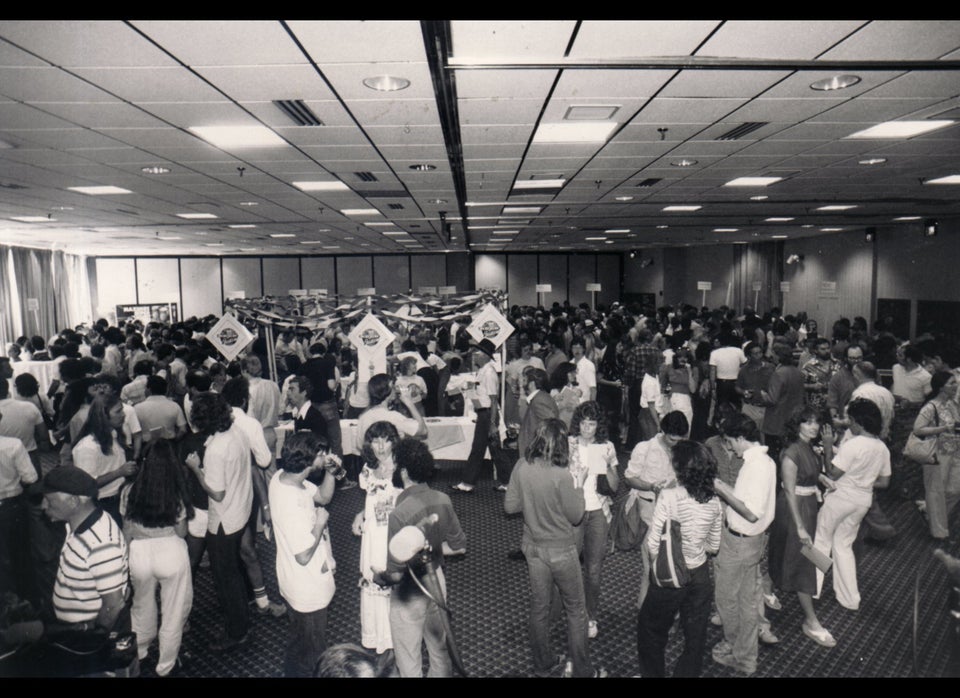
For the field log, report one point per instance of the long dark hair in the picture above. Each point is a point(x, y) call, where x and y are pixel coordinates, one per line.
point(379, 430)
point(98, 421)
point(696, 469)
point(590, 410)
point(791, 429)
point(550, 444)
point(159, 492)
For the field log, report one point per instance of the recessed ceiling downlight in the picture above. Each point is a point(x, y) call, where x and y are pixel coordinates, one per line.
point(837, 82)
point(386, 83)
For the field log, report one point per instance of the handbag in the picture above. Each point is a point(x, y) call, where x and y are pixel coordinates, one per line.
point(922, 449)
point(669, 569)
point(628, 528)
point(603, 486)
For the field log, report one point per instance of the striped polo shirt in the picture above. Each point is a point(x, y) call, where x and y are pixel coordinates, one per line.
point(93, 562)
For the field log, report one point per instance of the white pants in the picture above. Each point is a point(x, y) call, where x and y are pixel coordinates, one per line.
point(837, 524)
point(682, 403)
point(164, 561)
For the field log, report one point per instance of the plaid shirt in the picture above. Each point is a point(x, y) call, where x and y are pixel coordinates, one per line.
point(636, 358)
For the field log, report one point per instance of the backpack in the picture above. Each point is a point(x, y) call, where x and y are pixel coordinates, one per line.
point(627, 529)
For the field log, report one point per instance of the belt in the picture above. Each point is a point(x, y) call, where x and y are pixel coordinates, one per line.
point(737, 533)
point(805, 490)
point(11, 499)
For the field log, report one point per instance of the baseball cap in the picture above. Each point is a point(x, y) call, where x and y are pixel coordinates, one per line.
point(70, 479)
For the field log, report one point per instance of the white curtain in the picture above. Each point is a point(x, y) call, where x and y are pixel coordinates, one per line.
point(71, 284)
point(11, 321)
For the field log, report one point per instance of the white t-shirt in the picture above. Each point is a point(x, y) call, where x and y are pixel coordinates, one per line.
point(20, 420)
point(309, 587)
point(728, 361)
point(862, 459)
point(586, 377)
point(407, 426)
point(226, 466)
point(88, 457)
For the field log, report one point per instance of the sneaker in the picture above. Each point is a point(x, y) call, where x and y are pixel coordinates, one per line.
point(772, 602)
point(560, 662)
point(272, 608)
point(600, 673)
point(727, 660)
point(767, 637)
point(462, 487)
point(499, 487)
point(592, 629)
point(715, 620)
point(567, 671)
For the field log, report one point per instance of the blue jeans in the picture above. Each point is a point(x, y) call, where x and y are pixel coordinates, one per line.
point(306, 641)
point(656, 618)
point(332, 415)
point(561, 567)
point(737, 583)
point(592, 541)
point(413, 621)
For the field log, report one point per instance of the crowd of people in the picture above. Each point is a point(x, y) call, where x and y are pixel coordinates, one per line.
point(158, 453)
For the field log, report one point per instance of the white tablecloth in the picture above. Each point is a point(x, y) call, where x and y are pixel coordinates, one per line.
point(44, 371)
point(449, 438)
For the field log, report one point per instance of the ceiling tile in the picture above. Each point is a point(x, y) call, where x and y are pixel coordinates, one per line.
point(221, 43)
point(149, 84)
point(353, 41)
point(265, 83)
point(68, 44)
point(722, 83)
point(637, 39)
point(777, 39)
point(510, 39)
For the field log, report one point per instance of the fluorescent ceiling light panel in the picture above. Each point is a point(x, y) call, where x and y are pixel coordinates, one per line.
point(779, 237)
point(949, 179)
point(169, 237)
point(381, 224)
point(99, 191)
point(575, 132)
point(307, 185)
point(725, 230)
point(238, 136)
point(521, 209)
point(213, 244)
point(830, 230)
point(360, 212)
point(617, 231)
point(778, 219)
point(682, 208)
point(311, 242)
point(753, 181)
point(242, 225)
point(836, 207)
point(539, 184)
point(282, 235)
point(907, 218)
point(196, 216)
point(395, 232)
point(505, 232)
point(901, 129)
point(594, 239)
point(32, 219)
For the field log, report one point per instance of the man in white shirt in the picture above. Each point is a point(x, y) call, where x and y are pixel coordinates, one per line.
point(16, 473)
point(160, 418)
point(236, 393)
point(911, 381)
point(382, 390)
point(586, 371)
point(305, 563)
point(738, 592)
point(486, 433)
point(725, 363)
point(650, 470)
point(23, 421)
point(225, 477)
point(264, 404)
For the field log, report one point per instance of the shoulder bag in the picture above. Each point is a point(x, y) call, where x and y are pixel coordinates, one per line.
point(669, 569)
point(922, 449)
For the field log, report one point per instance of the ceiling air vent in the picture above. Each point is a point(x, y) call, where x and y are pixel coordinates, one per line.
point(649, 182)
point(12, 186)
point(366, 176)
point(741, 130)
point(298, 112)
point(395, 207)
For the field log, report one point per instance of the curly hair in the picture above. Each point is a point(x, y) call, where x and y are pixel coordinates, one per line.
point(378, 430)
point(98, 423)
point(414, 456)
point(159, 492)
point(696, 469)
point(561, 374)
point(791, 430)
point(590, 410)
point(300, 450)
point(210, 413)
point(550, 444)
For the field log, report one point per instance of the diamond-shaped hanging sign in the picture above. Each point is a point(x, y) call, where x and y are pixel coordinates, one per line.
point(229, 336)
point(490, 324)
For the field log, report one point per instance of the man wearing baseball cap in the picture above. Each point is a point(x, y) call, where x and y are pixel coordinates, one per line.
point(92, 584)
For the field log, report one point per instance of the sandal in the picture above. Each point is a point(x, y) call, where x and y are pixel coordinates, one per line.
point(821, 637)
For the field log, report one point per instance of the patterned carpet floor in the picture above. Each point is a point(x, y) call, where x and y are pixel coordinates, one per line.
point(488, 595)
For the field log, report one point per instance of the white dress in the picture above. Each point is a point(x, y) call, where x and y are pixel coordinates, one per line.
point(375, 600)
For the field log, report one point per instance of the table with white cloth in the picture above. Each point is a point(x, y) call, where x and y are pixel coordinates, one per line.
point(44, 371)
point(449, 438)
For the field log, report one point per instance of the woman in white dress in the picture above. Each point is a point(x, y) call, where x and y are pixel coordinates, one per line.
point(376, 478)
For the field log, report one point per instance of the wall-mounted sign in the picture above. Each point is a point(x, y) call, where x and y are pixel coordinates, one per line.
point(784, 287)
point(828, 289)
point(594, 287)
point(148, 312)
point(544, 288)
point(704, 285)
